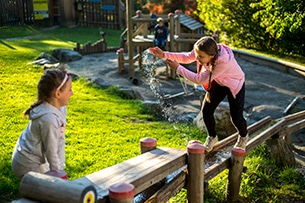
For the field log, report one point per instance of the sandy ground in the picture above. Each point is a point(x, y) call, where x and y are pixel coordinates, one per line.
point(268, 92)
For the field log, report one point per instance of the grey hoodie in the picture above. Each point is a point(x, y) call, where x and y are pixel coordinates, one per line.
point(43, 141)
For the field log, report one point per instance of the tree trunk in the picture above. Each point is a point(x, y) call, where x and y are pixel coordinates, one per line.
point(281, 152)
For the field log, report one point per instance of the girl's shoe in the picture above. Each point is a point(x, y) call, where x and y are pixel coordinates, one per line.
point(209, 143)
point(241, 142)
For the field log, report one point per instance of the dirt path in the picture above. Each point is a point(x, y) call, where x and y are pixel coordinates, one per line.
point(268, 92)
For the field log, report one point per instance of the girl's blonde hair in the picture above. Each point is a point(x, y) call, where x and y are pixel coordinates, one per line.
point(48, 83)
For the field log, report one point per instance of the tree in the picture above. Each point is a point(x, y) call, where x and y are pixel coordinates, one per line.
point(284, 24)
point(259, 24)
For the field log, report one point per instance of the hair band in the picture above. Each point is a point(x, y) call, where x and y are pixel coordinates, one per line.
point(63, 82)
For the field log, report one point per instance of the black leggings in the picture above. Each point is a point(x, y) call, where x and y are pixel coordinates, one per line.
point(217, 94)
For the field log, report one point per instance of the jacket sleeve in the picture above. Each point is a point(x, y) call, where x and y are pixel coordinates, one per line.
point(198, 79)
point(182, 57)
point(50, 135)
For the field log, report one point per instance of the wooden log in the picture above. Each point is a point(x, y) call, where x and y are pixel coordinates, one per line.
point(293, 117)
point(147, 144)
point(223, 164)
point(296, 126)
point(281, 152)
point(195, 168)
point(216, 168)
point(120, 60)
point(232, 138)
point(262, 137)
point(291, 128)
point(172, 74)
point(291, 105)
point(46, 188)
point(235, 173)
point(129, 8)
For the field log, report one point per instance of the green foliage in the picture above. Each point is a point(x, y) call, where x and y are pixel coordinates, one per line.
point(283, 24)
point(257, 24)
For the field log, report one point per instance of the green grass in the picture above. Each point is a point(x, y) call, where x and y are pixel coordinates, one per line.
point(104, 128)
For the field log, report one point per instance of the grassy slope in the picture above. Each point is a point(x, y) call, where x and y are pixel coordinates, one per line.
point(121, 123)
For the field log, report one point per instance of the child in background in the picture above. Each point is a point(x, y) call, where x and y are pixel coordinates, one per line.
point(41, 146)
point(221, 76)
point(160, 34)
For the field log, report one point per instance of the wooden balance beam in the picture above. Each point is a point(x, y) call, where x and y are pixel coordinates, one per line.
point(141, 171)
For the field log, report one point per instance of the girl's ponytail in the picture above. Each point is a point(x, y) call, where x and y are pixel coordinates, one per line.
point(36, 103)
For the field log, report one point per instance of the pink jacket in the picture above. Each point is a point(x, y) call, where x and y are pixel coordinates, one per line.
point(226, 71)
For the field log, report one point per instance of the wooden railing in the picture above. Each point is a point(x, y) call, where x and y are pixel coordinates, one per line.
point(155, 165)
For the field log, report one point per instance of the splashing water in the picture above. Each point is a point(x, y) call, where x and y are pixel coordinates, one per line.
point(149, 66)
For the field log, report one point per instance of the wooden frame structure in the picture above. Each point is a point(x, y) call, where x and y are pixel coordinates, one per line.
point(138, 38)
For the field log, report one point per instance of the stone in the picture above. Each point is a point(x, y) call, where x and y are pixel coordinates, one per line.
point(66, 55)
point(224, 126)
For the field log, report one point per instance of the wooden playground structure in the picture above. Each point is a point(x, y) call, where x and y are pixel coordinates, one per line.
point(159, 173)
point(139, 38)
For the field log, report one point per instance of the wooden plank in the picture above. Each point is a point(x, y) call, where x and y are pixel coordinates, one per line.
point(216, 168)
point(169, 189)
point(293, 117)
point(232, 138)
point(221, 165)
point(268, 133)
point(142, 171)
point(296, 126)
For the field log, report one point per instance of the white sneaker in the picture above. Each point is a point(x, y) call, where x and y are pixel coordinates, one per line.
point(209, 143)
point(241, 142)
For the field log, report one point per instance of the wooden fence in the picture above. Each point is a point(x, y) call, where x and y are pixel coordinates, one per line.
point(98, 13)
point(101, 13)
point(16, 12)
point(159, 173)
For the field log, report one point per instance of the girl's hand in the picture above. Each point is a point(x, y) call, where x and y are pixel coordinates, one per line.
point(172, 64)
point(157, 52)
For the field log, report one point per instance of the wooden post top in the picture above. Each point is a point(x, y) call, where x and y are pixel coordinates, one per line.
point(121, 191)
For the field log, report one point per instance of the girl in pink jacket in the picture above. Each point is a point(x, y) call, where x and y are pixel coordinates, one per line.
point(221, 76)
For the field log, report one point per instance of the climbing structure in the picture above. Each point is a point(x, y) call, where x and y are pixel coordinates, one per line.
point(139, 38)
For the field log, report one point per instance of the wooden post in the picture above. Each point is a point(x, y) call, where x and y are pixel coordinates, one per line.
point(140, 61)
point(235, 172)
point(171, 40)
point(177, 29)
point(177, 22)
point(46, 188)
point(195, 179)
point(147, 144)
point(121, 193)
point(120, 52)
point(68, 11)
point(129, 37)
